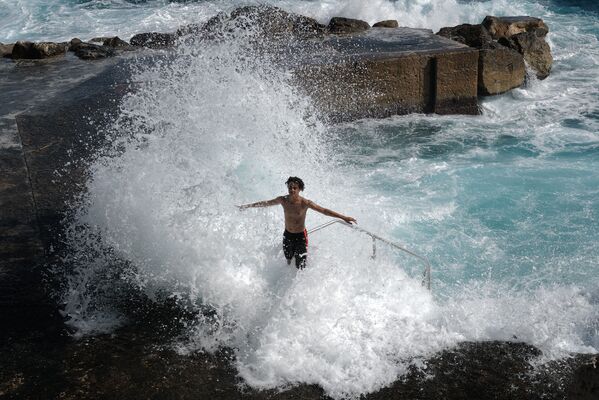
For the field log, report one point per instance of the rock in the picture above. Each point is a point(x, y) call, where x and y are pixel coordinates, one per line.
point(154, 40)
point(499, 371)
point(347, 25)
point(117, 43)
point(99, 39)
point(499, 27)
point(49, 49)
point(6, 50)
point(90, 51)
point(584, 383)
point(499, 69)
point(41, 50)
point(112, 41)
point(471, 35)
point(535, 50)
point(389, 23)
point(272, 22)
point(526, 35)
point(74, 43)
point(276, 22)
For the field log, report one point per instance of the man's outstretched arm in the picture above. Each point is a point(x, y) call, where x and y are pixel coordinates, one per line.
point(330, 213)
point(265, 203)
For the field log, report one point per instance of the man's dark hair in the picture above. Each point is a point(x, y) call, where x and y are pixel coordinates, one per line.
point(295, 179)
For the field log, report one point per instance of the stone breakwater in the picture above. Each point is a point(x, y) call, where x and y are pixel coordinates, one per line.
point(356, 70)
point(48, 135)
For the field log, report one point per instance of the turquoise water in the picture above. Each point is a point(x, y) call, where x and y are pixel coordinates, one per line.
point(505, 205)
point(507, 210)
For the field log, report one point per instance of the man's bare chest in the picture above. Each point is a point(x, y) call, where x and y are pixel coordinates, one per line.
point(294, 210)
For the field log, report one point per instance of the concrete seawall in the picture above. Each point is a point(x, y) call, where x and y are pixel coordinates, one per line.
point(384, 72)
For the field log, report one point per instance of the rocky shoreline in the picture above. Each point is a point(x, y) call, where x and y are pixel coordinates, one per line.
point(137, 366)
point(43, 168)
point(377, 71)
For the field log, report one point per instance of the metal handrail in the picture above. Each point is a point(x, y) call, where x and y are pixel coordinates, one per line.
point(426, 278)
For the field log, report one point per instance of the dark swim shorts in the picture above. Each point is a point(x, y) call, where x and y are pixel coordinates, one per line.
point(296, 244)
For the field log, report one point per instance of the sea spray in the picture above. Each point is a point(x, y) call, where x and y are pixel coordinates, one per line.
point(198, 134)
point(213, 127)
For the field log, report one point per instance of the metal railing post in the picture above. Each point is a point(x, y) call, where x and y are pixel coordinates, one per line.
point(426, 278)
point(373, 247)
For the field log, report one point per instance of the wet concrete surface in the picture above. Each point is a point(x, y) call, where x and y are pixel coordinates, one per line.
point(44, 118)
point(385, 42)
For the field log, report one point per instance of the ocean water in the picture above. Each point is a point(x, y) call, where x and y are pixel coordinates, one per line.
point(505, 205)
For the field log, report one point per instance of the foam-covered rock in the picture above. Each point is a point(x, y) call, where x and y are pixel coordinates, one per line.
point(112, 41)
point(471, 35)
point(90, 51)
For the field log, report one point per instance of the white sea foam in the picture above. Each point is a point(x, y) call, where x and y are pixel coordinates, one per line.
point(64, 19)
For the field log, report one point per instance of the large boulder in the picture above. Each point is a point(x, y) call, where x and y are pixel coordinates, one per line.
point(341, 25)
point(388, 23)
point(90, 51)
point(536, 51)
point(499, 27)
point(470, 35)
point(499, 69)
point(525, 35)
point(269, 21)
point(154, 40)
point(37, 51)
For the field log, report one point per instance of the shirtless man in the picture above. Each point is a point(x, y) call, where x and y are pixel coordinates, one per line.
point(295, 237)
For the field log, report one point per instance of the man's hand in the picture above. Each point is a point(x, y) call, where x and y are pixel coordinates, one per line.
point(349, 220)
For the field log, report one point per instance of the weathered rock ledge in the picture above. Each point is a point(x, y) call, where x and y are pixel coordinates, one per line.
point(367, 71)
point(129, 365)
